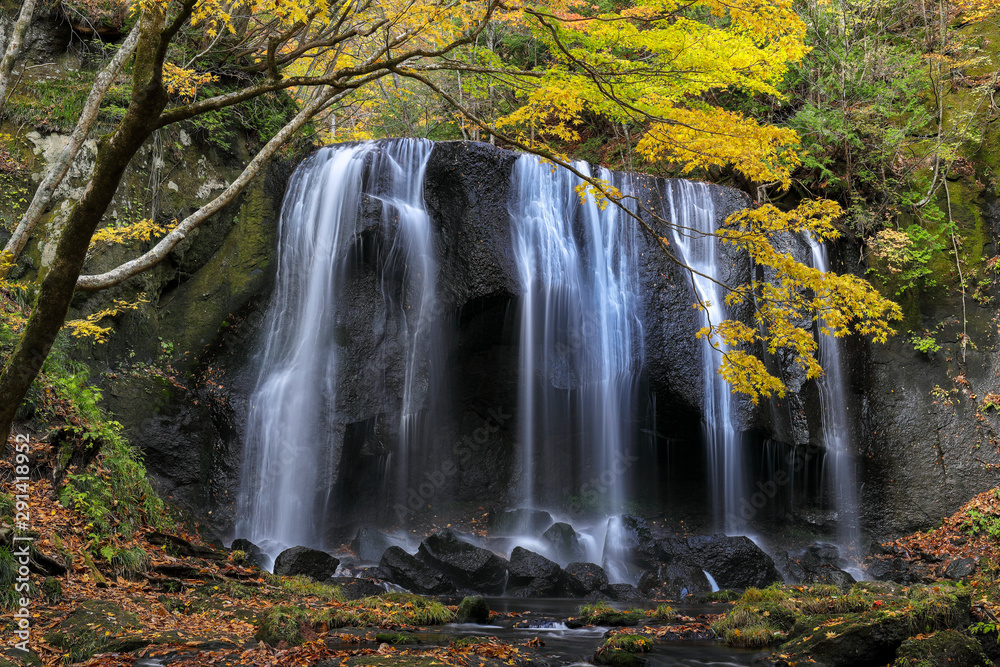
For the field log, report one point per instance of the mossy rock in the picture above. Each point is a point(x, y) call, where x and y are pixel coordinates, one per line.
point(779, 617)
point(282, 624)
point(52, 589)
point(604, 614)
point(396, 638)
point(627, 641)
point(725, 595)
point(469, 641)
point(94, 627)
point(946, 648)
point(474, 609)
point(619, 658)
point(394, 660)
point(12, 657)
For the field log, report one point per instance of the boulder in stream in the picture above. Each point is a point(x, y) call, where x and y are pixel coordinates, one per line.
point(369, 544)
point(582, 579)
point(412, 573)
point(564, 542)
point(467, 566)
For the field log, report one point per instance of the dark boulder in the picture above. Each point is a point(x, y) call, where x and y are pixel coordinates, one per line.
point(896, 570)
point(818, 564)
point(527, 565)
point(469, 567)
point(413, 574)
point(521, 521)
point(315, 564)
point(961, 568)
point(946, 648)
point(734, 562)
point(821, 554)
point(624, 593)
point(674, 580)
point(630, 542)
point(564, 542)
point(355, 588)
point(369, 544)
point(252, 553)
point(536, 588)
point(583, 579)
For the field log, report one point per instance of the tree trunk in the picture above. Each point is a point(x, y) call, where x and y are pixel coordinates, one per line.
point(57, 172)
point(14, 49)
point(52, 303)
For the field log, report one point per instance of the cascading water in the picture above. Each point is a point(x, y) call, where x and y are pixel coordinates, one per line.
point(292, 447)
point(692, 213)
point(581, 337)
point(401, 170)
point(839, 472)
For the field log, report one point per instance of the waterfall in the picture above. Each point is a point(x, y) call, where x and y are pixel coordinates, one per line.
point(692, 214)
point(839, 473)
point(293, 441)
point(580, 338)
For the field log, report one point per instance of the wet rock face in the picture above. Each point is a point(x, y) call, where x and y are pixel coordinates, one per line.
point(413, 574)
point(212, 295)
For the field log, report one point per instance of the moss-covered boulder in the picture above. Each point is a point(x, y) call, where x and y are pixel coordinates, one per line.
point(96, 626)
point(872, 637)
point(623, 649)
point(474, 609)
point(282, 624)
point(947, 648)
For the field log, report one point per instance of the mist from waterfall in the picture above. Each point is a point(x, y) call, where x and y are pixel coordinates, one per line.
point(581, 337)
point(693, 217)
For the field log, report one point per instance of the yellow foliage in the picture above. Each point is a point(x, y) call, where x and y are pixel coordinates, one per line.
point(977, 10)
point(89, 326)
point(184, 82)
point(790, 295)
point(143, 230)
point(653, 65)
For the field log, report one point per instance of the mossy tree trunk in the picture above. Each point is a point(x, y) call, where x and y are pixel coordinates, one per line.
point(149, 98)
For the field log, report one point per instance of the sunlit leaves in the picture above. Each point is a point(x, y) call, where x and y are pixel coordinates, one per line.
point(90, 327)
point(652, 64)
point(185, 82)
point(790, 296)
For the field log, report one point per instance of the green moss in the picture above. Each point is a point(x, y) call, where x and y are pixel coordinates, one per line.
point(461, 643)
point(941, 649)
point(663, 612)
point(93, 627)
point(395, 660)
point(282, 624)
point(629, 641)
point(306, 587)
point(601, 613)
point(474, 609)
point(386, 611)
point(396, 638)
point(725, 595)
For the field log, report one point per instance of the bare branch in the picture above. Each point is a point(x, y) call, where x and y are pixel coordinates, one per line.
point(160, 251)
